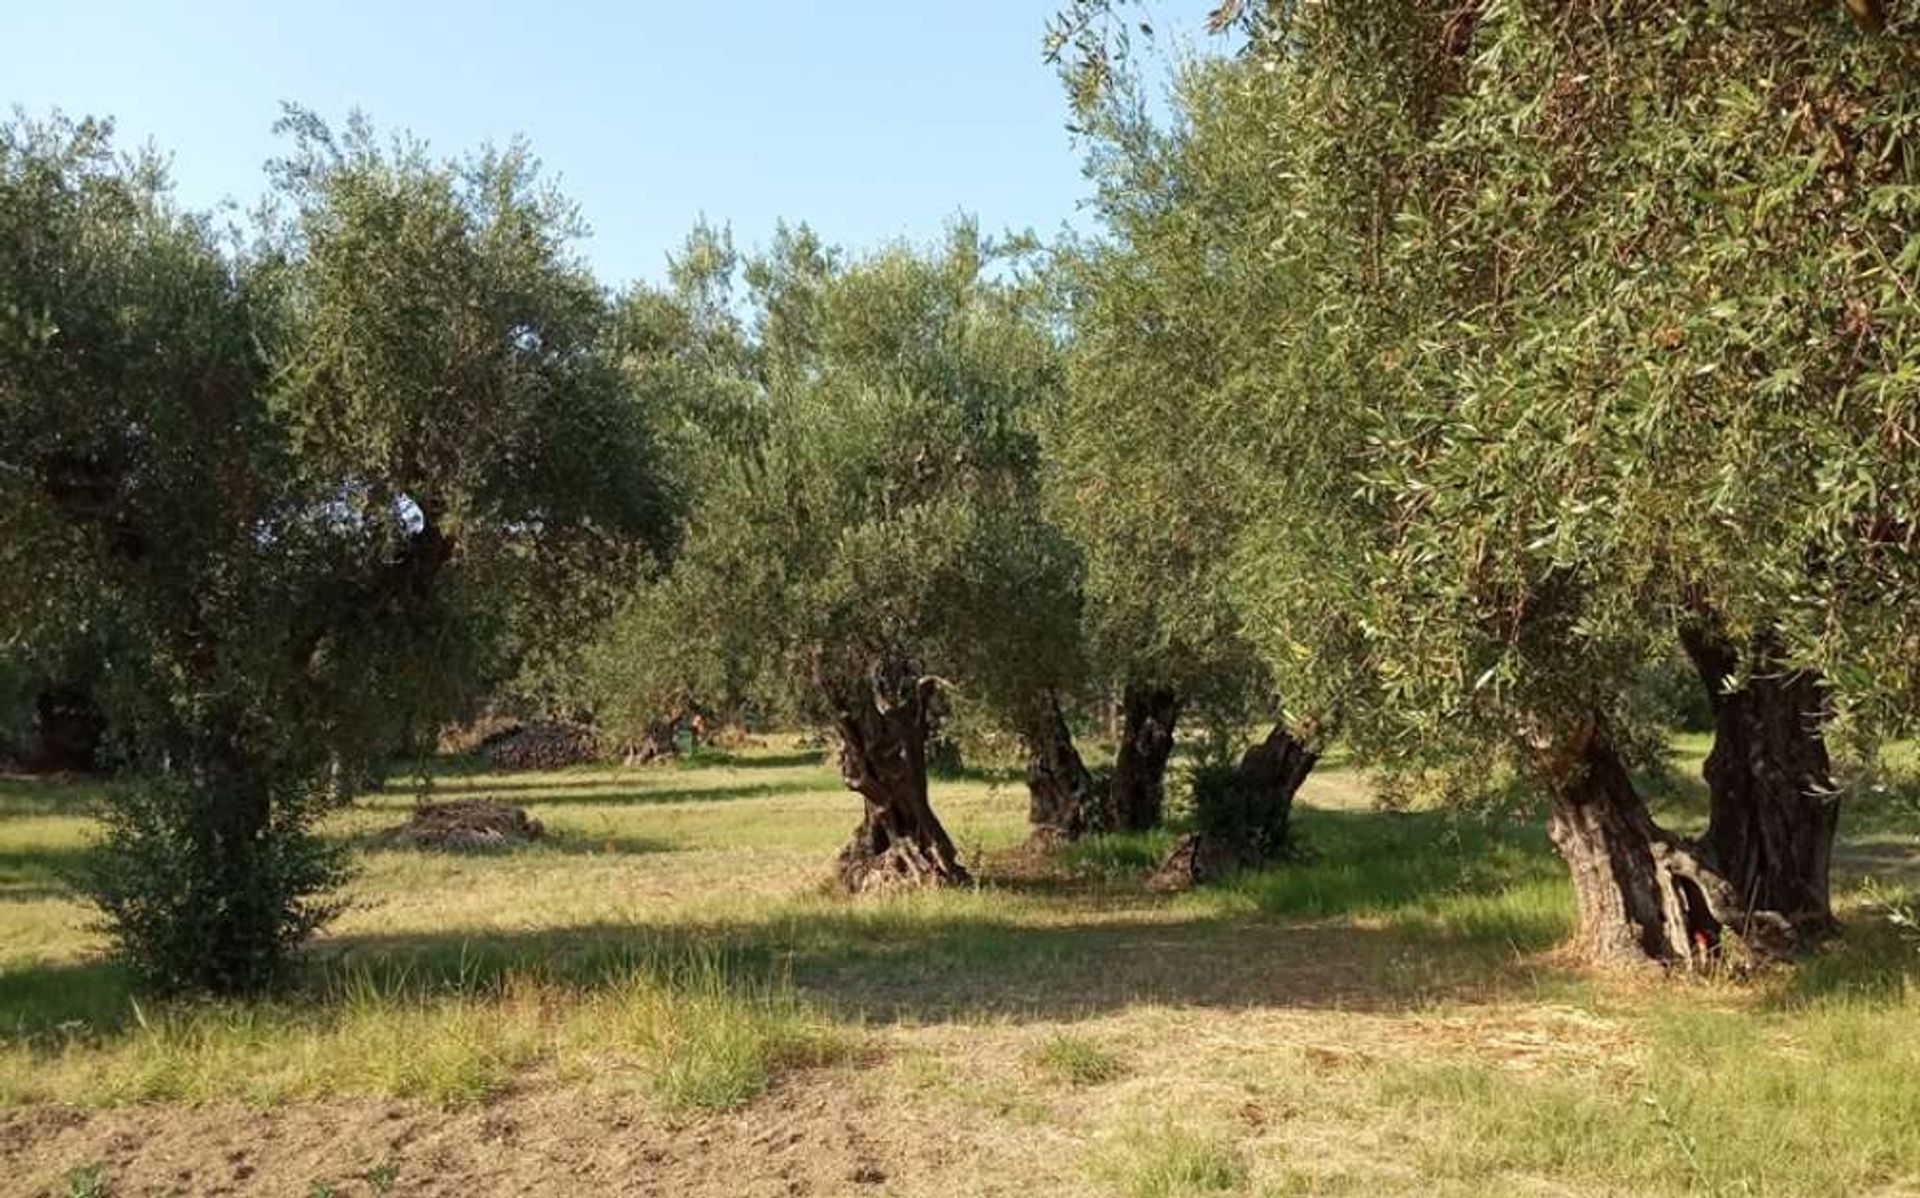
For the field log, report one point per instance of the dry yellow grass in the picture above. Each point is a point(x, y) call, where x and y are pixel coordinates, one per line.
point(662, 1001)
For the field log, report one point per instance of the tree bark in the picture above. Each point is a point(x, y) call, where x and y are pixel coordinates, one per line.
point(1061, 802)
point(1244, 818)
point(1644, 897)
point(660, 740)
point(1774, 813)
point(1138, 796)
point(67, 731)
point(882, 722)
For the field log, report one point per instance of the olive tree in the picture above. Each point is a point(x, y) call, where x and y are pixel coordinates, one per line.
point(1154, 501)
point(882, 538)
point(293, 494)
point(1558, 348)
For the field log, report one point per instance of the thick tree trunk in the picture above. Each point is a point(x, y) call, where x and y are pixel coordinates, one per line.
point(1774, 812)
point(1138, 796)
point(1244, 817)
point(659, 740)
point(1643, 896)
point(882, 722)
point(66, 733)
point(1061, 801)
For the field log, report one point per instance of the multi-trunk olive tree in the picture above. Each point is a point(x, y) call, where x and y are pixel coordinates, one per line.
point(1643, 338)
point(1153, 500)
point(287, 493)
point(1566, 333)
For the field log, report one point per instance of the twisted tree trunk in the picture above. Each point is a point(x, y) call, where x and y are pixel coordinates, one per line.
point(1245, 817)
point(1773, 809)
point(1061, 802)
point(1138, 795)
point(882, 722)
point(1644, 897)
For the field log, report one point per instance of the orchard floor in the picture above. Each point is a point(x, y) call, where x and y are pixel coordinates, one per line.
point(660, 1001)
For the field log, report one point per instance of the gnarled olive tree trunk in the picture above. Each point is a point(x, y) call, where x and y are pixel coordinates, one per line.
point(1061, 802)
point(1644, 897)
point(882, 722)
point(1244, 813)
point(1774, 813)
point(1138, 795)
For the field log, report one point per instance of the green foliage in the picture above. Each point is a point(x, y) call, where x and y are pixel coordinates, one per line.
point(1506, 338)
point(1130, 471)
point(89, 1181)
point(1229, 806)
point(297, 501)
point(874, 502)
point(191, 906)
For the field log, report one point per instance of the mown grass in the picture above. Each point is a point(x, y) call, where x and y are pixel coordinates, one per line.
point(1719, 1102)
point(670, 941)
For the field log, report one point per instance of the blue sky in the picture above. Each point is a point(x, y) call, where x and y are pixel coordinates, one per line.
point(869, 120)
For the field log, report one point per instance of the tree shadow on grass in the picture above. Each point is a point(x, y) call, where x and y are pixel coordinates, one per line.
point(1385, 911)
point(868, 966)
point(26, 796)
point(31, 874)
point(372, 841)
point(797, 759)
point(610, 793)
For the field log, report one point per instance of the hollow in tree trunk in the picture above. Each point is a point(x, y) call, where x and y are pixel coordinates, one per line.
point(1244, 814)
point(1644, 897)
point(882, 723)
point(1773, 809)
point(1059, 788)
point(1138, 795)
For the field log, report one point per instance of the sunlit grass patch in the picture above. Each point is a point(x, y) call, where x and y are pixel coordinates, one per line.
point(1158, 1157)
point(696, 1030)
point(1117, 854)
point(697, 1037)
point(1715, 1102)
point(1078, 1059)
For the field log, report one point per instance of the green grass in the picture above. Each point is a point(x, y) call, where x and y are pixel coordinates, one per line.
point(1388, 998)
point(88, 1181)
point(1080, 1060)
point(1727, 1102)
point(1160, 1158)
point(690, 1029)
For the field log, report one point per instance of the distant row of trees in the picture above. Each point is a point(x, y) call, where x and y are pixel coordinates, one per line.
point(1434, 369)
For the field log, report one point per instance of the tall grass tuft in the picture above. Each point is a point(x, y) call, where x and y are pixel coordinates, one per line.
point(697, 1035)
point(1159, 1158)
point(701, 1033)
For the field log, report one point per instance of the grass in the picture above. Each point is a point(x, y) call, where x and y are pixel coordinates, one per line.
point(88, 1181)
point(1080, 1060)
point(1730, 1103)
point(689, 1029)
point(1160, 1158)
point(1384, 1015)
